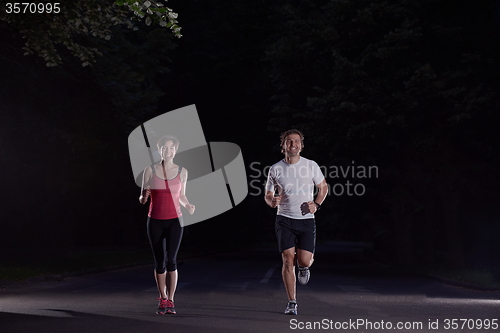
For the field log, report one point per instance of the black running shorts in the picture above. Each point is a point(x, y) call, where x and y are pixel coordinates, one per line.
point(295, 233)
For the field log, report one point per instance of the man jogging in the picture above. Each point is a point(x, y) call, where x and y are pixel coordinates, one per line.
point(294, 178)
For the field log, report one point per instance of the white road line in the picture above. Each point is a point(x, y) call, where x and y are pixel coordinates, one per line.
point(268, 275)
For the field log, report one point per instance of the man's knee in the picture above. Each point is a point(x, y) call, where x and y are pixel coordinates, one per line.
point(288, 257)
point(305, 258)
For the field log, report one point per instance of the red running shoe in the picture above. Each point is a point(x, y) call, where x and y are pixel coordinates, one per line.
point(162, 306)
point(170, 308)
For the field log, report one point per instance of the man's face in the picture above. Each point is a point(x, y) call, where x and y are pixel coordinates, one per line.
point(293, 145)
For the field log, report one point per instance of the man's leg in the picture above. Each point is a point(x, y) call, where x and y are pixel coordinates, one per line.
point(306, 242)
point(288, 272)
point(304, 258)
point(286, 243)
point(304, 261)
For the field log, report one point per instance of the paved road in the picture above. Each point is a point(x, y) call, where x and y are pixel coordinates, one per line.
point(243, 292)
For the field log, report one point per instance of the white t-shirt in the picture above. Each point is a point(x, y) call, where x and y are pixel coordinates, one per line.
point(295, 184)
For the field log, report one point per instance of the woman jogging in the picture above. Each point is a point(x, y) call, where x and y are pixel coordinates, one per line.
point(165, 183)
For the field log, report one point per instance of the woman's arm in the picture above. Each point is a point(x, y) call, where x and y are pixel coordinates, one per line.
point(182, 198)
point(146, 185)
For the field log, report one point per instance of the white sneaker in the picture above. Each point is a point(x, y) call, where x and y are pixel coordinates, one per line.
point(303, 275)
point(291, 308)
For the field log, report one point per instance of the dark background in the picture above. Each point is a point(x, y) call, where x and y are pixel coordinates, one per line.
point(408, 86)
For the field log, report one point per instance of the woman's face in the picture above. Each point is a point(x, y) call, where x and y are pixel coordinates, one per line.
point(167, 151)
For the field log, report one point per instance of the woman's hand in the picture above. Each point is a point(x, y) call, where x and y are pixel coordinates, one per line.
point(190, 208)
point(145, 195)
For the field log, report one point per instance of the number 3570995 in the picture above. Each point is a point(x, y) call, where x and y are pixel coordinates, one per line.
point(31, 7)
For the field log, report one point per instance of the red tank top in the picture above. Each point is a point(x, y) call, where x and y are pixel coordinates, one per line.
point(165, 197)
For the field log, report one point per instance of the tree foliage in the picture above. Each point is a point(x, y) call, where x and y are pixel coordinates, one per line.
point(392, 72)
point(44, 32)
point(411, 85)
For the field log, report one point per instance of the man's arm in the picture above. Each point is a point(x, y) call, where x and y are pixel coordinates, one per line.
point(322, 192)
point(269, 197)
point(271, 200)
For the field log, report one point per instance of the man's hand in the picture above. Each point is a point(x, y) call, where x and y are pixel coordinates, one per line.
point(276, 201)
point(308, 207)
point(312, 207)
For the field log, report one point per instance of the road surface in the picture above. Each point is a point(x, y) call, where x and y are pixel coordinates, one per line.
point(243, 292)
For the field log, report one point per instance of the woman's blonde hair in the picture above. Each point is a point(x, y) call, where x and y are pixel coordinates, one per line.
point(166, 138)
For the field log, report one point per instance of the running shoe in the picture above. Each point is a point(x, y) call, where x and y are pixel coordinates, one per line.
point(303, 275)
point(170, 307)
point(162, 306)
point(291, 308)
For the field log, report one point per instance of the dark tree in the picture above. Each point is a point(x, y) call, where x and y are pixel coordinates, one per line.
point(409, 84)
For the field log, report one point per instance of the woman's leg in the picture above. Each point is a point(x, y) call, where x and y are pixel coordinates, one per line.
point(161, 283)
point(156, 238)
point(174, 237)
point(171, 285)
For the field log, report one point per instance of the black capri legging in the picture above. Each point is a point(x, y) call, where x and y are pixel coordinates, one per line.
point(165, 238)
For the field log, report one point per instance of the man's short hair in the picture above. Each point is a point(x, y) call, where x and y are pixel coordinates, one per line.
point(287, 133)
